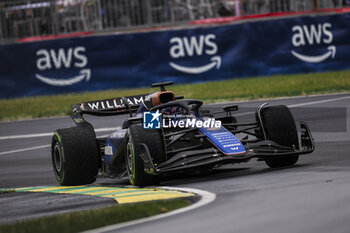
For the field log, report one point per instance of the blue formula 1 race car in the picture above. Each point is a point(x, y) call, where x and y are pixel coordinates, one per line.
point(168, 134)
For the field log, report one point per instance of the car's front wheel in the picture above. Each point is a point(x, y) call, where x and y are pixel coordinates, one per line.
point(136, 140)
point(280, 127)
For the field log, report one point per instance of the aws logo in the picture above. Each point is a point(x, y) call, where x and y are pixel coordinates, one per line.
point(313, 35)
point(194, 46)
point(62, 59)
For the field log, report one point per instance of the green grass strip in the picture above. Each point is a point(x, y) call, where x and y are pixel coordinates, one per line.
point(139, 194)
point(99, 190)
point(85, 220)
point(34, 188)
point(130, 191)
point(67, 189)
point(229, 90)
point(6, 190)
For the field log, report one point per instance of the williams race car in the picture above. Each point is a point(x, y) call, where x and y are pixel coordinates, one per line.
point(167, 134)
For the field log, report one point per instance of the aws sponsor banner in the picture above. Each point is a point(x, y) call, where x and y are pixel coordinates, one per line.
point(278, 46)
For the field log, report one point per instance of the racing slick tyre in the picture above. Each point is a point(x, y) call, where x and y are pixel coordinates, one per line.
point(280, 127)
point(75, 155)
point(136, 136)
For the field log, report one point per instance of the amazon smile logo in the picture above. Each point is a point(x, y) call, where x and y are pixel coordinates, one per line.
point(313, 35)
point(194, 46)
point(62, 59)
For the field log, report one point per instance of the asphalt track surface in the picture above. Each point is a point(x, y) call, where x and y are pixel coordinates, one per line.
point(312, 196)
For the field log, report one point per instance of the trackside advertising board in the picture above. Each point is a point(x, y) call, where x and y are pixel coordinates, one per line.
point(278, 46)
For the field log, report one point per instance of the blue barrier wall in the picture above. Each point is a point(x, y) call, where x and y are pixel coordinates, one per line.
point(283, 46)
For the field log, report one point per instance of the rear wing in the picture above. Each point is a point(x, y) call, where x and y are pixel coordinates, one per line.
point(114, 106)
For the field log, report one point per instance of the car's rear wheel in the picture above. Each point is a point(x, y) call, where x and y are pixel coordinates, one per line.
point(136, 136)
point(75, 155)
point(280, 127)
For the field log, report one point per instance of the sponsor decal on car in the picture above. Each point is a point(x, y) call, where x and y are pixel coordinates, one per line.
point(118, 134)
point(116, 103)
point(108, 150)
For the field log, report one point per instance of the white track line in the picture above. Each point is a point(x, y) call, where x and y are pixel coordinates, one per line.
point(281, 98)
point(302, 104)
point(21, 136)
point(318, 102)
point(206, 198)
point(26, 149)
point(107, 129)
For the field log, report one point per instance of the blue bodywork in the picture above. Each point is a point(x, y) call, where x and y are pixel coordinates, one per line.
point(113, 142)
point(224, 140)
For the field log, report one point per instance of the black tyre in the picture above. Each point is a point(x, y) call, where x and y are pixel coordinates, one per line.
point(280, 127)
point(75, 155)
point(136, 136)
